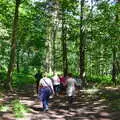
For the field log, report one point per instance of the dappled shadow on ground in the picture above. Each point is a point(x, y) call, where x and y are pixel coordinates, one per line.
point(85, 107)
point(81, 110)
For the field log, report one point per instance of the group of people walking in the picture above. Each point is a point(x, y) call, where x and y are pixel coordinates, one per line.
point(55, 86)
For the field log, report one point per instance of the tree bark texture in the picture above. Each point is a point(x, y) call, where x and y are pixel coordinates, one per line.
point(13, 45)
point(54, 47)
point(18, 59)
point(114, 51)
point(64, 45)
point(82, 46)
point(113, 67)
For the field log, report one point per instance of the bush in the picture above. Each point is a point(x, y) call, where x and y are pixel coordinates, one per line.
point(20, 79)
point(99, 79)
point(2, 77)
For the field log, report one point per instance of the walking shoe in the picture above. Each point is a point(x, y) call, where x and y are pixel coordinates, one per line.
point(45, 109)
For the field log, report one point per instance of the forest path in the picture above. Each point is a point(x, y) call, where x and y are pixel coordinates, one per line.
point(85, 107)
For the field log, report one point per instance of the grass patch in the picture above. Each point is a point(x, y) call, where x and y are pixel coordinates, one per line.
point(19, 109)
point(4, 108)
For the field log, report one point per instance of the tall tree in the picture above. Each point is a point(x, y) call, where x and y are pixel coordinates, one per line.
point(114, 51)
point(82, 44)
point(13, 45)
point(63, 38)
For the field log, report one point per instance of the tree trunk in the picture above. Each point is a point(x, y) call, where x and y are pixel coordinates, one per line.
point(50, 54)
point(54, 49)
point(82, 46)
point(64, 45)
point(91, 16)
point(49, 51)
point(114, 50)
point(118, 66)
point(18, 59)
point(54, 33)
point(13, 46)
point(113, 66)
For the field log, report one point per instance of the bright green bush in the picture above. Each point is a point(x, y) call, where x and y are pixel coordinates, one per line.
point(99, 79)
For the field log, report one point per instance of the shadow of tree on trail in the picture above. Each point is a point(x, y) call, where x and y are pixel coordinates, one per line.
point(84, 107)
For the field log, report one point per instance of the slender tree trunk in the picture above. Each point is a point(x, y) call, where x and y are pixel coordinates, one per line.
point(49, 51)
point(13, 46)
point(114, 50)
point(22, 58)
point(82, 46)
point(118, 66)
point(91, 16)
point(54, 48)
point(64, 45)
point(55, 22)
point(18, 59)
point(113, 66)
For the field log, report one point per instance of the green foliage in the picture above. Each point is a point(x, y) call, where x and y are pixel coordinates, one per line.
point(25, 69)
point(19, 109)
point(99, 79)
point(3, 31)
point(4, 108)
point(35, 37)
point(3, 76)
point(21, 79)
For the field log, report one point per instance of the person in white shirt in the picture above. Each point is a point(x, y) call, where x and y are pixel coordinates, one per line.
point(45, 90)
point(71, 83)
point(56, 83)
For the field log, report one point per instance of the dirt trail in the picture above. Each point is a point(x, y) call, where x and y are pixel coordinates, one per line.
point(85, 107)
